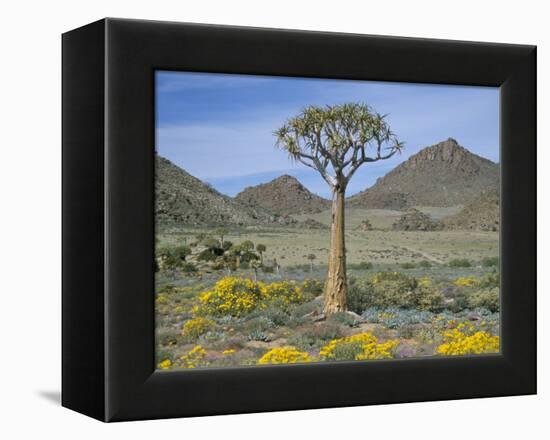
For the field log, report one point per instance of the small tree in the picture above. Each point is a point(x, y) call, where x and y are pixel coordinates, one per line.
point(221, 232)
point(182, 252)
point(311, 257)
point(335, 141)
point(255, 265)
point(236, 252)
point(261, 248)
point(247, 246)
point(211, 243)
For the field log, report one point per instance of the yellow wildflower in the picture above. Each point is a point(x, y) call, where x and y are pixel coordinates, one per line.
point(285, 355)
point(165, 364)
point(458, 343)
point(193, 358)
point(362, 346)
point(197, 326)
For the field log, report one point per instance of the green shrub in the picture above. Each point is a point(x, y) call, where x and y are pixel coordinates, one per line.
point(312, 288)
point(360, 295)
point(268, 269)
point(407, 265)
point(273, 313)
point(316, 335)
point(256, 324)
point(206, 255)
point(393, 289)
point(460, 262)
point(460, 303)
point(172, 257)
point(258, 335)
point(347, 352)
point(343, 318)
point(188, 267)
point(306, 308)
point(490, 262)
point(247, 257)
point(490, 280)
point(425, 264)
point(363, 265)
point(427, 298)
point(488, 298)
point(219, 264)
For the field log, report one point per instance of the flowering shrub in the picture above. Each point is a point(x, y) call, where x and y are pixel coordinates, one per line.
point(165, 364)
point(358, 347)
point(394, 289)
point(231, 296)
point(285, 355)
point(465, 282)
point(239, 296)
point(424, 282)
point(194, 358)
point(426, 297)
point(197, 327)
point(161, 299)
point(485, 298)
point(460, 262)
point(313, 287)
point(284, 293)
point(464, 340)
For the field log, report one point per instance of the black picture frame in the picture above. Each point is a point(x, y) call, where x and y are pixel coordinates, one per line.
point(108, 218)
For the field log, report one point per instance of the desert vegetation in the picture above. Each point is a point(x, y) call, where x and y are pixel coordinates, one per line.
point(278, 275)
point(246, 302)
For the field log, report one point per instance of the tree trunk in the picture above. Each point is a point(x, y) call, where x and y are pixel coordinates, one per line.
point(336, 287)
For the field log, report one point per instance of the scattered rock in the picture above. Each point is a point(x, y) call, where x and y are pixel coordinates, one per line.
point(312, 224)
point(415, 220)
point(482, 214)
point(365, 225)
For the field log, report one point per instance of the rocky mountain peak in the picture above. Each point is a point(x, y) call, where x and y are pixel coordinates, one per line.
point(444, 174)
point(284, 195)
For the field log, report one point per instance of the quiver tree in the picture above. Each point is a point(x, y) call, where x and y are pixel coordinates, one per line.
point(261, 248)
point(335, 141)
point(311, 257)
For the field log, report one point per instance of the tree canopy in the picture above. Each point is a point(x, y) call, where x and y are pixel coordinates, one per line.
point(337, 140)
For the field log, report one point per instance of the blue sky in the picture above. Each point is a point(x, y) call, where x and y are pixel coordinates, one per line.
point(220, 127)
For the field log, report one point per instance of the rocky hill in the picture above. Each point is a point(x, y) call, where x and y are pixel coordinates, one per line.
point(482, 214)
point(445, 174)
point(415, 220)
point(284, 195)
point(182, 198)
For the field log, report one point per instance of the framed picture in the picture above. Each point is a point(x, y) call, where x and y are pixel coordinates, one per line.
point(262, 220)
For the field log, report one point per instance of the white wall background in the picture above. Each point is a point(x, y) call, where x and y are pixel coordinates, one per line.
point(30, 185)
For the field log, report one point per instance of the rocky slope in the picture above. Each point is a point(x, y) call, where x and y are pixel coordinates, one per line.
point(182, 198)
point(284, 195)
point(445, 174)
point(482, 214)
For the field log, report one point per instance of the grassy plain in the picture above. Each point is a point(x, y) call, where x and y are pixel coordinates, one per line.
point(382, 246)
point(281, 329)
